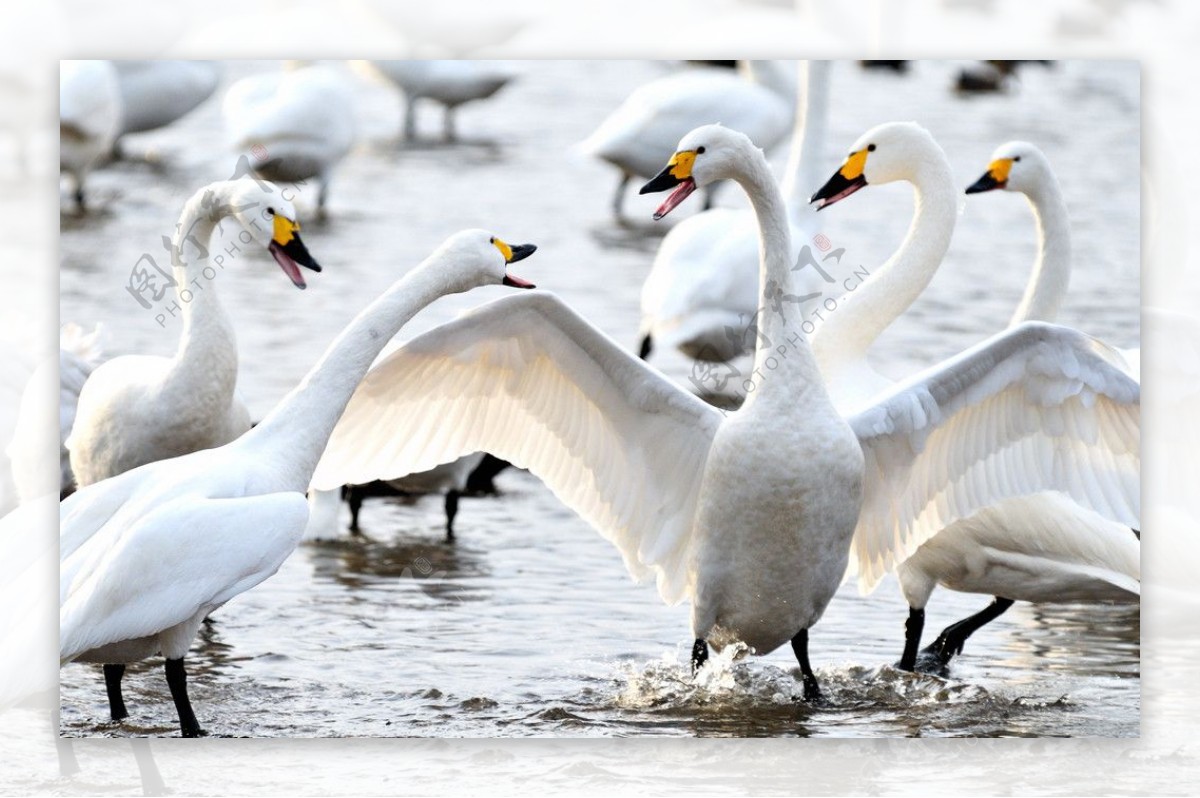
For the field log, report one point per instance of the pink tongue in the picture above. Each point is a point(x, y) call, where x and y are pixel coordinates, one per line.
point(674, 198)
point(517, 282)
point(288, 265)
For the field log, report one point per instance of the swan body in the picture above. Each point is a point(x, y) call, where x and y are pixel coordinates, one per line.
point(146, 555)
point(294, 125)
point(90, 113)
point(1037, 547)
point(702, 291)
point(752, 515)
point(450, 83)
point(156, 93)
point(136, 409)
point(641, 133)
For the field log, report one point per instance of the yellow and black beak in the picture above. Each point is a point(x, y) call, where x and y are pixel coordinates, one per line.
point(845, 181)
point(995, 177)
point(512, 254)
point(289, 251)
point(676, 175)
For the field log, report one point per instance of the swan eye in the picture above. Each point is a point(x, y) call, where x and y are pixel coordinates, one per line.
point(699, 150)
point(492, 240)
point(870, 148)
point(271, 211)
point(1017, 158)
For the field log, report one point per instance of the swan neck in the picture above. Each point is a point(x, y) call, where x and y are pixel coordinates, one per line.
point(802, 175)
point(862, 316)
point(785, 377)
point(205, 364)
point(1048, 284)
point(294, 434)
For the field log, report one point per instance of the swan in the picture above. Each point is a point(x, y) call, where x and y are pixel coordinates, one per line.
point(1022, 167)
point(293, 125)
point(639, 135)
point(749, 514)
point(448, 82)
point(136, 409)
point(702, 291)
point(1038, 547)
point(448, 479)
point(89, 118)
point(55, 385)
point(156, 93)
point(146, 555)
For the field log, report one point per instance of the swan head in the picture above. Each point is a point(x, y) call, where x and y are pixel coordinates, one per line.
point(271, 220)
point(1015, 166)
point(477, 258)
point(884, 154)
point(705, 155)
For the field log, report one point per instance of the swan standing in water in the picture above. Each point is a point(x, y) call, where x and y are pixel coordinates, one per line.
point(642, 132)
point(749, 515)
point(145, 556)
point(1047, 546)
point(294, 125)
point(702, 292)
point(137, 409)
point(449, 82)
point(156, 93)
point(89, 118)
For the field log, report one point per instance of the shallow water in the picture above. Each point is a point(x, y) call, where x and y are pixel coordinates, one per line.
point(528, 624)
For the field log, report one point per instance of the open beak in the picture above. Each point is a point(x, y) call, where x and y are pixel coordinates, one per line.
point(512, 254)
point(289, 251)
point(995, 177)
point(676, 175)
point(845, 181)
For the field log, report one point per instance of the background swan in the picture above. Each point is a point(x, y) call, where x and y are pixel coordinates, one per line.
point(145, 556)
point(136, 409)
point(702, 291)
point(156, 93)
point(748, 515)
point(90, 114)
point(642, 132)
point(1037, 547)
point(450, 83)
point(294, 125)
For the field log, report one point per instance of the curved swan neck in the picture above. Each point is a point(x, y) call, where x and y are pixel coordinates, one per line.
point(861, 317)
point(1047, 287)
point(205, 364)
point(294, 434)
point(785, 372)
point(808, 139)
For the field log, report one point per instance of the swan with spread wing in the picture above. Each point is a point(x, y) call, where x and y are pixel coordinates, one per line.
point(749, 515)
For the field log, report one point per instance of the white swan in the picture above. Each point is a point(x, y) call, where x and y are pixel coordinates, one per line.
point(89, 103)
point(294, 125)
point(1039, 547)
point(146, 555)
point(642, 132)
point(449, 82)
point(50, 401)
point(1022, 167)
point(702, 291)
point(137, 409)
point(448, 479)
point(749, 515)
point(156, 93)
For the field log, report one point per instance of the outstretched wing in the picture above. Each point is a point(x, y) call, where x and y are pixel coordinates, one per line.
point(135, 580)
point(1036, 408)
point(529, 380)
